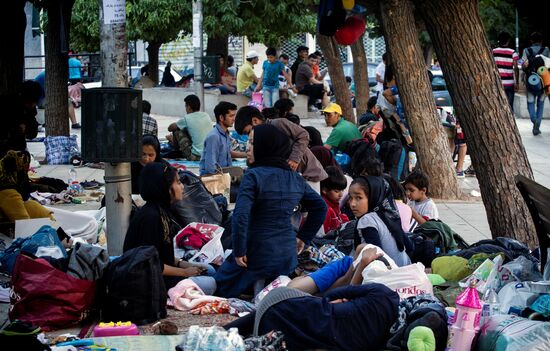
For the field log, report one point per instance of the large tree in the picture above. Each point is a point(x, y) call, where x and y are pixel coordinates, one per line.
point(360, 75)
point(153, 21)
point(331, 52)
point(58, 19)
point(493, 138)
point(415, 91)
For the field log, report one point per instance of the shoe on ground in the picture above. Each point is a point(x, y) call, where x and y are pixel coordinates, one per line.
point(76, 126)
point(312, 108)
point(460, 174)
point(470, 172)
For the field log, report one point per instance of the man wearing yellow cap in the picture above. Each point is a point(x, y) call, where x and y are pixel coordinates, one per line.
point(343, 130)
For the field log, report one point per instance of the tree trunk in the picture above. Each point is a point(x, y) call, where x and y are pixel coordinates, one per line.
point(217, 45)
point(430, 141)
point(360, 76)
point(12, 46)
point(480, 103)
point(57, 68)
point(153, 54)
point(335, 69)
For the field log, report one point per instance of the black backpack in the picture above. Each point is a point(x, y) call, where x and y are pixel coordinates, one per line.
point(391, 156)
point(135, 289)
point(198, 205)
point(423, 249)
point(533, 62)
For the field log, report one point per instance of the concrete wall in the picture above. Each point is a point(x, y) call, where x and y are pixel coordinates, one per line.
point(520, 107)
point(169, 101)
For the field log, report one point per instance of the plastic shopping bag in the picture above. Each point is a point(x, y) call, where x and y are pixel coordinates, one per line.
point(407, 281)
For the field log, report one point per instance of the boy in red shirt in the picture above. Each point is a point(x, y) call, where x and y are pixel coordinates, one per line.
point(332, 191)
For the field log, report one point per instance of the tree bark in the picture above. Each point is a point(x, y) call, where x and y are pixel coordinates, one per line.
point(153, 54)
point(217, 45)
point(475, 87)
point(360, 76)
point(430, 141)
point(12, 46)
point(57, 68)
point(335, 69)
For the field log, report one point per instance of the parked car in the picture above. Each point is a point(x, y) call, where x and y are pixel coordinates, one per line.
point(134, 73)
point(440, 92)
point(348, 72)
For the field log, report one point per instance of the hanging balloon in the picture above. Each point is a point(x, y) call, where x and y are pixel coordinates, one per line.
point(352, 30)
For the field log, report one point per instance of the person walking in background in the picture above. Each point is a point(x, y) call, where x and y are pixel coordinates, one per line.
point(380, 72)
point(535, 112)
point(507, 64)
point(167, 77)
point(75, 70)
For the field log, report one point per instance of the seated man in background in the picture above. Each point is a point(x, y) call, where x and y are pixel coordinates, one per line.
point(342, 132)
point(189, 133)
point(217, 145)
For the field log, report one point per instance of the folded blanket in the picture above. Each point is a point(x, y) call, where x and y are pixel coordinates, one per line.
point(186, 296)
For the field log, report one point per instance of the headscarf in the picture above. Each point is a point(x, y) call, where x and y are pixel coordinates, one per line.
point(150, 139)
point(382, 203)
point(324, 156)
point(13, 172)
point(271, 147)
point(154, 185)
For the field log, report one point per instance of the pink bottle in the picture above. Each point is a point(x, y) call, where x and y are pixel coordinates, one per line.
point(466, 319)
point(115, 329)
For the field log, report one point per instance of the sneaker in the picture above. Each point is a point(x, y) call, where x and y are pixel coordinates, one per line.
point(312, 108)
point(76, 126)
point(460, 174)
point(470, 172)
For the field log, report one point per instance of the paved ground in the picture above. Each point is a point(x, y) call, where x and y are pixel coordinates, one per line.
point(465, 217)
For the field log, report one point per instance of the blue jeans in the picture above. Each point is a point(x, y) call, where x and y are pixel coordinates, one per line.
point(271, 94)
point(510, 93)
point(248, 92)
point(535, 114)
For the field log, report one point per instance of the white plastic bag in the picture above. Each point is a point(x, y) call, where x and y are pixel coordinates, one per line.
point(407, 281)
point(211, 252)
point(515, 294)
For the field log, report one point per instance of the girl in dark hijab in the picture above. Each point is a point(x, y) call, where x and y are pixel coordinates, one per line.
point(150, 152)
point(154, 225)
point(378, 221)
point(264, 242)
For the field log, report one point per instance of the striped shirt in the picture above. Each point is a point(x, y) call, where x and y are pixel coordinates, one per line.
point(505, 58)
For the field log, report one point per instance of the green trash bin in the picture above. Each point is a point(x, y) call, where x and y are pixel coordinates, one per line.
point(111, 124)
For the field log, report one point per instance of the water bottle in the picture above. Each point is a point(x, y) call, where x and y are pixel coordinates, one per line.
point(72, 176)
point(491, 305)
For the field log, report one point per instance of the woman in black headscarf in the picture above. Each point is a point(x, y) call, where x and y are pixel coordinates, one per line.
point(264, 243)
point(154, 225)
point(150, 152)
point(378, 221)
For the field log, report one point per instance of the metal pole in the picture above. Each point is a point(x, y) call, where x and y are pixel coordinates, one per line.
point(114, 58)
point(197, 46)
point(517, 31)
